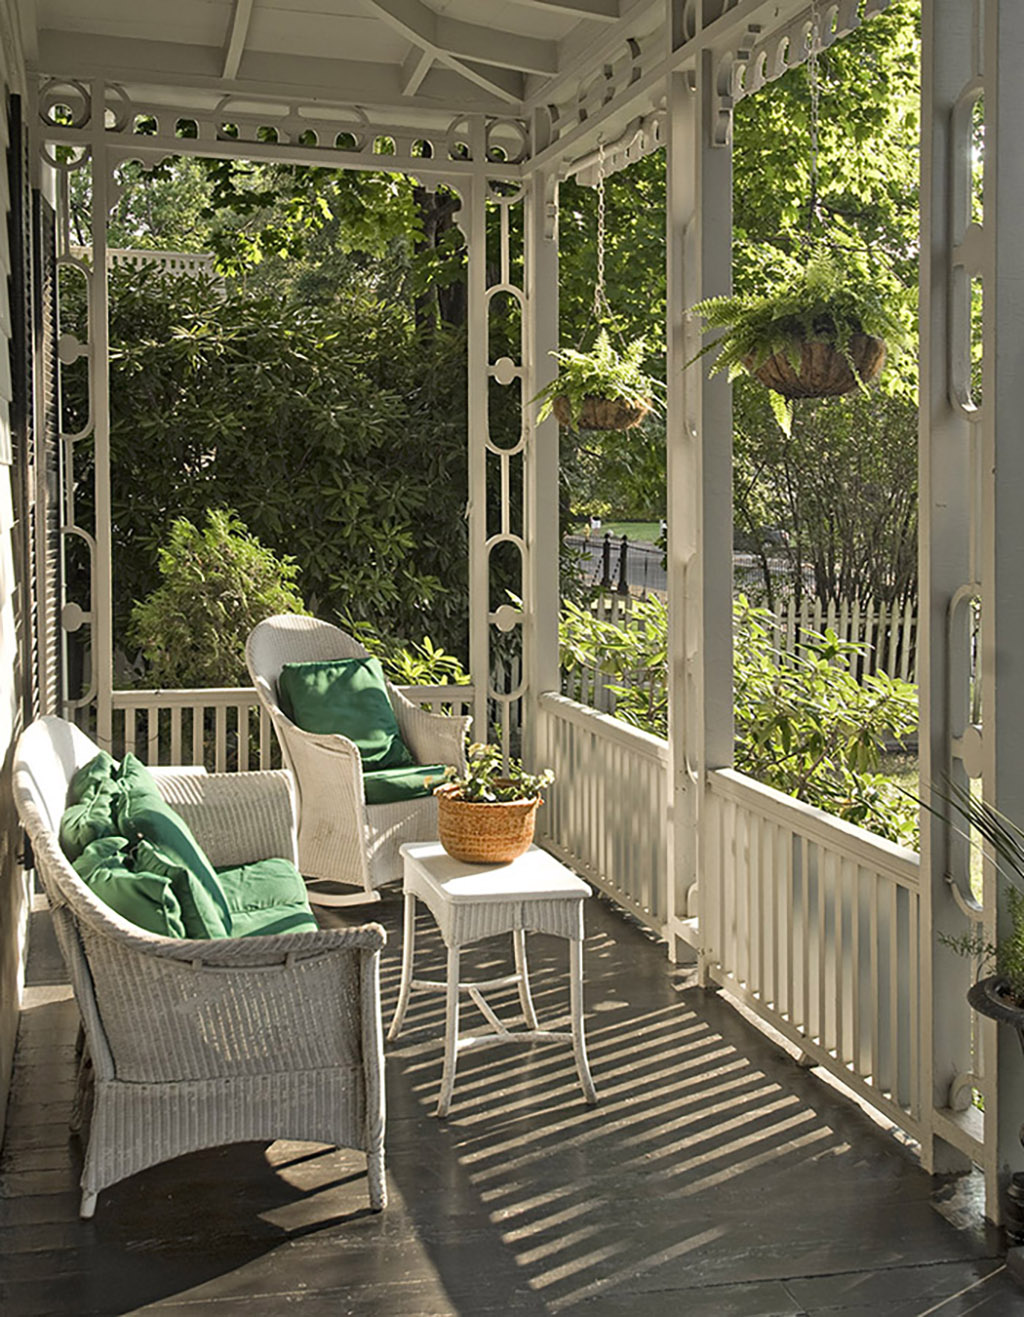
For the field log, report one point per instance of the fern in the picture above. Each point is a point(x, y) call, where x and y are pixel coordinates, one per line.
point(603, 372)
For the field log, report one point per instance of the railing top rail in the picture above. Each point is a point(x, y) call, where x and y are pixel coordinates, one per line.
point(857, 844)
point(603, 724)
point(211, 696)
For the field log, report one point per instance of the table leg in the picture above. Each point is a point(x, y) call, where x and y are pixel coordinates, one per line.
point(579, 1043)
point(525, 996)
point(408, 944)
point(451, 1033)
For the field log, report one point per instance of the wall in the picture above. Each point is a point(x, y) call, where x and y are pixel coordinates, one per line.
point(13, 897)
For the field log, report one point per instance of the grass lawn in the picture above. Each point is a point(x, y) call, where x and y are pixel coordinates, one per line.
point(645, 531)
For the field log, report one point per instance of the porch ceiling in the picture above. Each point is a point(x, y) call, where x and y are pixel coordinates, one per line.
point(451, 55)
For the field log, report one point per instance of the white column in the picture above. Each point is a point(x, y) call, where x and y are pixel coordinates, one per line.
point(945, 566)
point(474, 202)
point(540, 638)
point(102, 630)
point(699, 442)
point(1003, 489)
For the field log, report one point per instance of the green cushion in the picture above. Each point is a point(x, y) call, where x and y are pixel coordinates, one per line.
point(144, 816)
point(95, 816)
point(203, 913)
point(267, 897)
point(387, 785)
point(144, 899)
point(91, 776)
point(347, 696)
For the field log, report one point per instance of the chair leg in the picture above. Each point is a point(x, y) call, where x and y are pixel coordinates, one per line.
point(377, 1181)
point(408, 945)
point(87, 1207)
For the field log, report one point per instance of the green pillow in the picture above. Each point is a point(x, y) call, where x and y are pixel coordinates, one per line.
point(267, 897)
point(91, 776)
point(143, 815)
point(203, 913)
point(144, 899)
point(386, 786)
point(347, 696)
point(91, 805)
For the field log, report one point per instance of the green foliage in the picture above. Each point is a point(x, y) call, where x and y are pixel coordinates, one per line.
point(334, 430)
point(804, 725)
point(216, 584)
point(843, 483)
point(423, 664)
point(828, 298)
point(490, 777)
point(603, 372)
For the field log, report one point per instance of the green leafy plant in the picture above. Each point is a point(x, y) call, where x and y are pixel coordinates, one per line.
point(979, 819)
point(804, 724)
point(490, 777)
point(216, 584)
point(414, 664)
point(603, 372)
point(829, 298)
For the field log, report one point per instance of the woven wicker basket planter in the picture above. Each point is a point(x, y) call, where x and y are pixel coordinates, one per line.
point(482, 832)
point(824, 372)
point(601, 414)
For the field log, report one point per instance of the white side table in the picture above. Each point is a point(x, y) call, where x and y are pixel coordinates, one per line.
point(474, 901)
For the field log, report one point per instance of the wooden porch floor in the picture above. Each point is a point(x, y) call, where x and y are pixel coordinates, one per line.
point(715, 1178)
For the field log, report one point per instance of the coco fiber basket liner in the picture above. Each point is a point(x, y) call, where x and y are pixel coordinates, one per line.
point(482, 832)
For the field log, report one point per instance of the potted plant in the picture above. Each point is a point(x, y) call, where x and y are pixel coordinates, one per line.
point(822, 331)
point(486, 815)
point(602, 389)
point(999, 994)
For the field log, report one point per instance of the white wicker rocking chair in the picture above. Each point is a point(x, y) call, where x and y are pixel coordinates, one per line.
point(341, 838)
point(193, 1044)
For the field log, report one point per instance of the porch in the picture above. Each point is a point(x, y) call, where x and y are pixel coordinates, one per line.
point(716, 1176)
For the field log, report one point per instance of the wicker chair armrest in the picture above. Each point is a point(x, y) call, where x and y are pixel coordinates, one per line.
point(433, 738)
point(236, 817)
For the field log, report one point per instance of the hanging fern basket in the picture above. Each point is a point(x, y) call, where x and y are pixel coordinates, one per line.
point(600, 413)
point(824, 371)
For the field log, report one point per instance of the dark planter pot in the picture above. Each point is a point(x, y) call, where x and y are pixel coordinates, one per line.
point(991, 997)
point(824, 372)
point(600, 414)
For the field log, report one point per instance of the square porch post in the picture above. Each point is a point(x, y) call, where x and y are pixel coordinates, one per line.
point(699, 457)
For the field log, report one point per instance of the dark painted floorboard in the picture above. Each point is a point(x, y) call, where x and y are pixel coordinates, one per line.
point(715, 1178)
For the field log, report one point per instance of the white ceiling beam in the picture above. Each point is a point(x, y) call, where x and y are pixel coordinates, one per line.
point(503, 83)
point(595, 11)
point(303, 79)
point(237, 33)
point(416, 66)
point(466, 41)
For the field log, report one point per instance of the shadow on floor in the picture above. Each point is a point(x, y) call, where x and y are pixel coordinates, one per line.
point(714, 1177)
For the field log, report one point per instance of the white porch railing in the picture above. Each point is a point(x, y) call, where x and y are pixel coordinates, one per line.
point(812, 923)
point(815, 925)
point(224, 729)
point(605, 814)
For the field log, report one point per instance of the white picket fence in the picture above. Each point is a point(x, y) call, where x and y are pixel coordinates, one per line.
point(888, 632)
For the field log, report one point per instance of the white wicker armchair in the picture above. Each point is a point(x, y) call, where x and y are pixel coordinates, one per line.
point(193, 1044)
point(341, 838)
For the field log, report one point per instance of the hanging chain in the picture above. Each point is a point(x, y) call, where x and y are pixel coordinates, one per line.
point(812, 78)
point(601, 310)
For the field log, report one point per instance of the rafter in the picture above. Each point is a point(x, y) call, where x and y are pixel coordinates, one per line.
point(595, 11)
point(466, 41)
point(237, 33)
point(416, 66)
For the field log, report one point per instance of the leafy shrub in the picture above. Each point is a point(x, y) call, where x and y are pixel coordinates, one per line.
point(217, 583)
point(804, 725)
